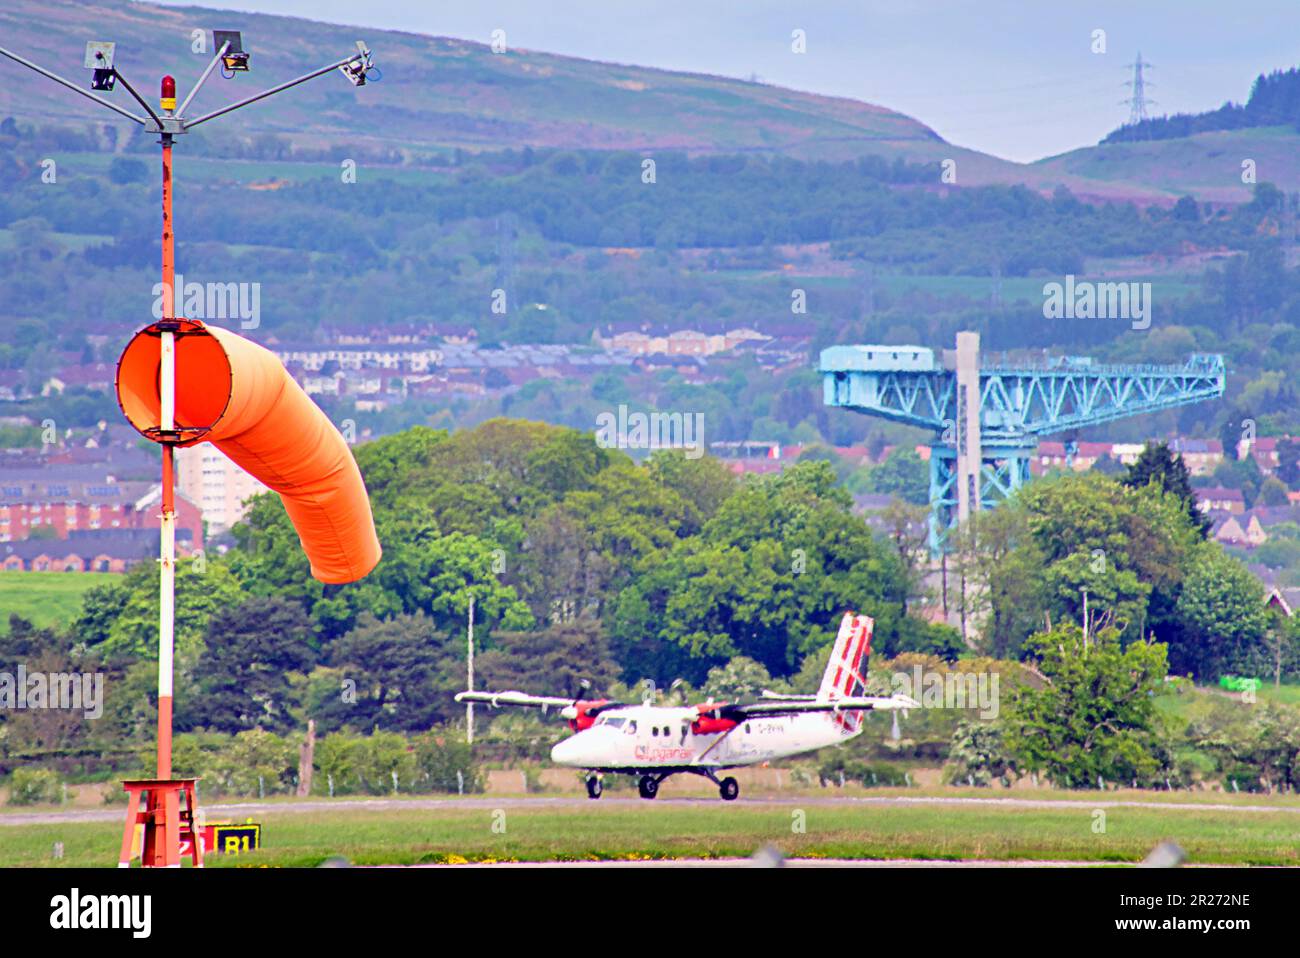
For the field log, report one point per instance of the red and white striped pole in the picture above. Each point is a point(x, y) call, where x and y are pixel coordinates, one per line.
point(168, 834)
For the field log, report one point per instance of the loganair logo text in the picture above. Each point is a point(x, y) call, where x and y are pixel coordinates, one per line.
point(77, 911)
point(1083, 299)
point(650, 753)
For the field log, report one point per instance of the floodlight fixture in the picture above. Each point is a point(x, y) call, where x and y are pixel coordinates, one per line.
point(234, 59)
point(357, 68)
point(355, 73)
point(99, 55)
point(99, 58)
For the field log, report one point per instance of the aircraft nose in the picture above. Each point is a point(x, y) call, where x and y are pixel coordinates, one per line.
point(567, 752)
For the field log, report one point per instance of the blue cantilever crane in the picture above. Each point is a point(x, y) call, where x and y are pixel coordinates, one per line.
point(987, 417)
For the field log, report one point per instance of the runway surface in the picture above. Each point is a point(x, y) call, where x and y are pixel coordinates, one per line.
point(789, 863)
point(378, 805)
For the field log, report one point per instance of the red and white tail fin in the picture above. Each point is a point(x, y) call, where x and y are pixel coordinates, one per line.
point(846, 672)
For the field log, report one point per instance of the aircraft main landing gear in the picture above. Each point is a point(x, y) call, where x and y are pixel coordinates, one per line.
point(648, 786)
point(728, 787)
point(593, 787)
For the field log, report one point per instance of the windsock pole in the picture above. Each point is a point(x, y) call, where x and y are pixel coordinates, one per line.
point(167, 424)
point(170, 832)
point(153, 805)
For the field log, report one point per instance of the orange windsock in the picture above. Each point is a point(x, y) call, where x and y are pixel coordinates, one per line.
point(238, 396)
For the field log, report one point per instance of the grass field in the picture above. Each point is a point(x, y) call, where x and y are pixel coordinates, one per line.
point(514, 830)
point(45, 598)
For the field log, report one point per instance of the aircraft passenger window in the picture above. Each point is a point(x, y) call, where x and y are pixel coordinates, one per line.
point(631, 726)
point(654, 729)
point(746, 728)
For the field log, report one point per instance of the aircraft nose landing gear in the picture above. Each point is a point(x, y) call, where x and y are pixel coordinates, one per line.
point(593, 787)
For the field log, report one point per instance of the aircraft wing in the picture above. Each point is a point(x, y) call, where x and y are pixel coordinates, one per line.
point(496, 699)
point(873, 703)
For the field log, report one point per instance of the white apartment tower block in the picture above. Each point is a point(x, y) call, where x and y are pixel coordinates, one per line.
point(220, 488)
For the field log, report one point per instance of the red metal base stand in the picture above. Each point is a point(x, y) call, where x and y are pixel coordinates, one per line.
point(156, 804)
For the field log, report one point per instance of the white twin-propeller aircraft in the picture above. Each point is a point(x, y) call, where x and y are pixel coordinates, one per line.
point(653, 742)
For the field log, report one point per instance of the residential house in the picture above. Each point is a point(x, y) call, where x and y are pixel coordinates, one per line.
point(1201, 456)
point(1219, 499)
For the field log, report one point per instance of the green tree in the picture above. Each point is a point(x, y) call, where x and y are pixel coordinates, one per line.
point(740, 680)
point(245, 676)
point(1272, 492)
point(1160, 465)
point(405, 678)
point(904, 474)
point(199, 596)
point(1230, 435)
point(1224, 619)
point(568, 658)
point(1288, 458)
point(774, 570)
point(1031, 560)
point(1094, 717)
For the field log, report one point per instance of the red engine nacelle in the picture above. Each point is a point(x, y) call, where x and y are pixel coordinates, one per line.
point(579, 714)
point(710, 721)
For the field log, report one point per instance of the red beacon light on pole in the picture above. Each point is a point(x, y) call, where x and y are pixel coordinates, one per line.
point(168, 98)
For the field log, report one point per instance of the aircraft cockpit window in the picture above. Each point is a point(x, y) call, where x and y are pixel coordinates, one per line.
point(611, 721)
point(631, 726)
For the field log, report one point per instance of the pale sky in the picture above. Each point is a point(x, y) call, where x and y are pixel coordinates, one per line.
point(1016, 78)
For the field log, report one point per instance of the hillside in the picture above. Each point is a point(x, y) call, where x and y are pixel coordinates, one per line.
point(1203, 153)
point(1205, 165)
point(438, 94)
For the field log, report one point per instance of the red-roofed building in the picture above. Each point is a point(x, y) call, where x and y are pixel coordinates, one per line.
point(67, 507)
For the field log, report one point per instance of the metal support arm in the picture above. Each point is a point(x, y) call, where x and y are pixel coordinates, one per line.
point(274, 90)
point(73, 87)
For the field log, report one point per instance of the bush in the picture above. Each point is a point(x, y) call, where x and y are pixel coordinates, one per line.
point(336, 760)
point(385, 762)
point(35, 786)
point(440, 754)
point(977, 755)
point(252, 764)
point(881, 775)
point(839, 769)
point(1244, 777)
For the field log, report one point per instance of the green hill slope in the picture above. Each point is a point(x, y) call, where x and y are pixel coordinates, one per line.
point(1206, 165)
point(438, 91)
point(438, 94)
